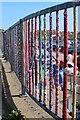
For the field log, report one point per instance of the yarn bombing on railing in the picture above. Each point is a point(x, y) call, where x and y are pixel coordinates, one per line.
point(28, 46)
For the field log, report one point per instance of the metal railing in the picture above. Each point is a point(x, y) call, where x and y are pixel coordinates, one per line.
point(23, 47)
point(0, 89)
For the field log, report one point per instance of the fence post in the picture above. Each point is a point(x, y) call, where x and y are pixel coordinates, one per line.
point(0, 89)
point(27, 60)
point(3, 45)
point(45, 63)
point(40, 61)
point(22, 60)
point(10, 50)
point(51, 66)
point(32, 52)
point(36, 62)
point(65, 92)
point(57, 63)
point(75, 64)
point(29, 56)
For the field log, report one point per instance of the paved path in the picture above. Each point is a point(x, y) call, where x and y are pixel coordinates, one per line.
point(26, 105)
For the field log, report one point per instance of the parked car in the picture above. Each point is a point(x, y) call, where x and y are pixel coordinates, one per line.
point(61, 46)
point(72, 43)
point(48, 62)
point(62, 49)
point(70, 49)
point(78, 62)
point(78, 50)
point(54, 47)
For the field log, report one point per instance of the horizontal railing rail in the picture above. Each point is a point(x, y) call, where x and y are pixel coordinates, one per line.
point(48, 10)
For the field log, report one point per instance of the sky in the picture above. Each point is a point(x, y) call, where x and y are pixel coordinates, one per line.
point(11, 12)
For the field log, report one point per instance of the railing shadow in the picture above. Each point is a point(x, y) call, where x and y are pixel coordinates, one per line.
point(7, 94)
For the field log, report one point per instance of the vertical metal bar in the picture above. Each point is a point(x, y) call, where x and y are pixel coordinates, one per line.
point(31, 45)
point(29, 42)
point(32, 41)
point(51, 66)
point(75, 64)
point(9, 43)
point(22, 58)
point(13, 47)
point(17, 47)
point(25, 54)
point(45, 63)
point(4, 43)
point(36, 62)
point(10, 50)
point(24, 51)
point(65, 92)
point(14, 50)
point(27, 57)
point(29, 54)
point(1, 80)
point(57, 63)
point(30, 81)
point(19, 54)
point(40, 61)
point(16, 53)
